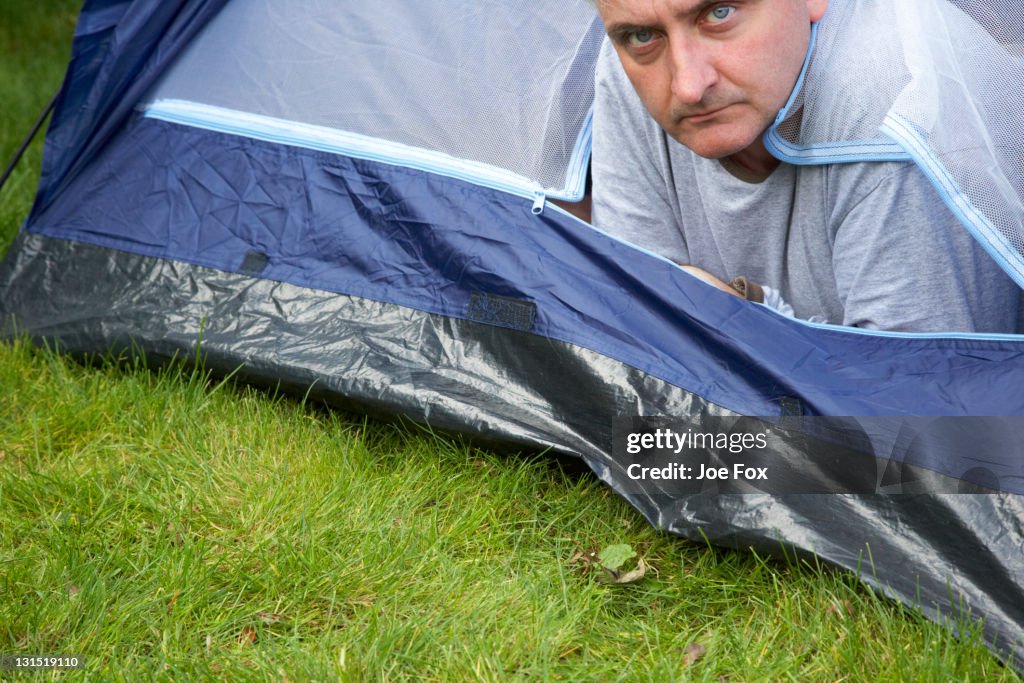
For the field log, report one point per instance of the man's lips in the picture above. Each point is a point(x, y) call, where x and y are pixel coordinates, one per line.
point(701, 117)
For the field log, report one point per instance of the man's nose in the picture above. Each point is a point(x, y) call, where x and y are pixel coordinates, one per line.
point(693, 73)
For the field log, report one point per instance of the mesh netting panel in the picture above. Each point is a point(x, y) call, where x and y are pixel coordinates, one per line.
point(849, 103)
point(942, 78)
point(507, 83)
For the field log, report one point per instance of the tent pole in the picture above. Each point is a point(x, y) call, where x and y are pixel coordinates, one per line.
point(28, 139)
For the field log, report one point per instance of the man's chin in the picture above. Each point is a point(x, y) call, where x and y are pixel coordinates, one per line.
point(712, 144)
point(713, 150)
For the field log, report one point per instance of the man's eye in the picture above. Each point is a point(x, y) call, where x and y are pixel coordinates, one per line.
point(640, 38)
point(720, 14)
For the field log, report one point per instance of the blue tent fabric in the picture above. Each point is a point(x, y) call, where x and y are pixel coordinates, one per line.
point(410, 238)
point(120, 48)
point(402, 291)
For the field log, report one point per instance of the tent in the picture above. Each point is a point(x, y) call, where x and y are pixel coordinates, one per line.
point(357, 203)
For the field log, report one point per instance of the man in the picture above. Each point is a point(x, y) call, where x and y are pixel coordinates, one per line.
point(686, 90)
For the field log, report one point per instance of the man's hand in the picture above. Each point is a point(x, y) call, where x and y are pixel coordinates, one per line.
point(711, 279)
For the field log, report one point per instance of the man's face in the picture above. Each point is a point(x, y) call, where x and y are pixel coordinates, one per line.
point(713, 74)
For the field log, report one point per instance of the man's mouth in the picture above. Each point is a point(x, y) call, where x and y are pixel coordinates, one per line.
point(701, 117)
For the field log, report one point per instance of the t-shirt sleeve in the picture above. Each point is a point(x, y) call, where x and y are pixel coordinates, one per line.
point(904, 262)
point(633, 192)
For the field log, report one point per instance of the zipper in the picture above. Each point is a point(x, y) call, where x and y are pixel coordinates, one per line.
point(538, 203)
point(320, 138)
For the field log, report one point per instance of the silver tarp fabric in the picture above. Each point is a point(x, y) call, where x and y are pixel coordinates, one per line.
point(954, 556)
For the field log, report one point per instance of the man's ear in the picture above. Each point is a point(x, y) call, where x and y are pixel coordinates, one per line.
point(816, 8)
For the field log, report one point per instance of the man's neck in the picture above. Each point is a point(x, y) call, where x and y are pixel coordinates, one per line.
point(752, 164)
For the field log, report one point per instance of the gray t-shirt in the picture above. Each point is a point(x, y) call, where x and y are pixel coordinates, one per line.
point(864, 244)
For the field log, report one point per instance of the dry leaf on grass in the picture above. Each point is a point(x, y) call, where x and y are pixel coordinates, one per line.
point(631, 576)
point(693, 652)
point(615, 563)
point(363, 600)
point(270, 617)
point(585, 558)
point(835, 610)
point(174, 599)
point(247, 636)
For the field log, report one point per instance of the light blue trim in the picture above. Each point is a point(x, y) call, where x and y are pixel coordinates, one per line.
point(320, 138)
point(906, 143)
point(828, 152)
point(372, 149)
point(833, 152)
point(576, 182)
point(976, 222)
point(967, 336)
point(784, 112)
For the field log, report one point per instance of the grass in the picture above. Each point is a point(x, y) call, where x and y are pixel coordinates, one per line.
point(34, 47)
point(168, 525)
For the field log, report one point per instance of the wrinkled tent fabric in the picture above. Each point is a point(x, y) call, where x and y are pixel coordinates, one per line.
point(450, 292)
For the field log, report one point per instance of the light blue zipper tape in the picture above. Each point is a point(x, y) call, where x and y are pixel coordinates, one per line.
point(308, 136)
point(840, 152)
point(973, 219)
point(372, 149)
point(577, 180)
point(971, 336)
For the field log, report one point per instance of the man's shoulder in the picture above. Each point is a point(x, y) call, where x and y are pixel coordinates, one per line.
point(845, 186)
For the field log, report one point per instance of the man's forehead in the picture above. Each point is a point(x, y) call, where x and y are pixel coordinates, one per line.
point(633, 10)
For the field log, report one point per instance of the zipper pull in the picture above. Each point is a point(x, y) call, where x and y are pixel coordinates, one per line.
point(538, 203)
